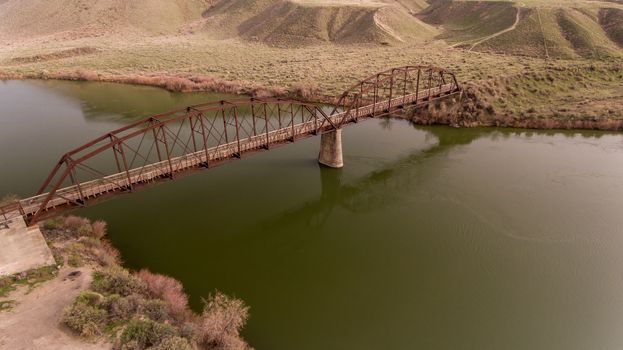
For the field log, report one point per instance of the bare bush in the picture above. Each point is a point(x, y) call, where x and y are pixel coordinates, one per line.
point(98, 229)
point(221, 321)
point(75, 222)
point(168, 289)
point(106, 254)
point(305, 90)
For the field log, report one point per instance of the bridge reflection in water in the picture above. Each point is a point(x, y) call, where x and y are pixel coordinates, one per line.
point(374, 190)
point(171, 144)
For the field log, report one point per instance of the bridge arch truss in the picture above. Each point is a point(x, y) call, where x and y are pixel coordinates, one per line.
point(167, 145)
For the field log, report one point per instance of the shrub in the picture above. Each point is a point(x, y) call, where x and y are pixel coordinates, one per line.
point(122, 308)
point(168, 289)
point(89, 298)
point(305, 90)
point(116, 280)
point(141, 334)
point(155, 310)
point(53, 224)
point(174, 343)
point(85, 230)
point(189, 330)
point(221, 321)
point(74, 260)
point(74, 223)
point(83, 317)
point(98, 229)
point(107, 255)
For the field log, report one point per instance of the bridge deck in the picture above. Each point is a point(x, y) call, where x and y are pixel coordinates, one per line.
point(150, 173)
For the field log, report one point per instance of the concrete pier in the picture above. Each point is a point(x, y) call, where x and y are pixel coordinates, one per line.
point(331, 149)
point(22, 248)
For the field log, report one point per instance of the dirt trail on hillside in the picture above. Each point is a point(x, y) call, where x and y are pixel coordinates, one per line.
point(482, 40)
point(33, 324)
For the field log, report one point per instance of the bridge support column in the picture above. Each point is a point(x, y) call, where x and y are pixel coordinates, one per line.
point(331, 149)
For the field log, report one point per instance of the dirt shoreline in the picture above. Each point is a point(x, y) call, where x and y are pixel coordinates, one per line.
point(470, 116)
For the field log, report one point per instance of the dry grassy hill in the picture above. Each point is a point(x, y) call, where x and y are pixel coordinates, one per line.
point(465, 21)
point(68, 19)
point(291, 23)
point(612, 22)
point(543, 29)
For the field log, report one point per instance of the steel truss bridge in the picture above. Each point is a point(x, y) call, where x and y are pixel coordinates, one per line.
point(168, 145)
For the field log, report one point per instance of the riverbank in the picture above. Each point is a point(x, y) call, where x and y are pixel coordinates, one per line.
point(88, 301)
point(515, 87)
point(584, 96)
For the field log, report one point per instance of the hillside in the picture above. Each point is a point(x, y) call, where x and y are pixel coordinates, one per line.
point(308, 22)
point(466, 21)
point(612, 22)
point(543, 29)
point(69, 19)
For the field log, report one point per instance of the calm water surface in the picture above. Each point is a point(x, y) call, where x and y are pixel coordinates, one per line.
point(429, 238)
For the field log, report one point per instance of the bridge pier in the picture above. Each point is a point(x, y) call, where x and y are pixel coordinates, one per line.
point(331, 149)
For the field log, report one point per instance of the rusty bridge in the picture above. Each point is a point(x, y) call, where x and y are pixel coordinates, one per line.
point(171, 144)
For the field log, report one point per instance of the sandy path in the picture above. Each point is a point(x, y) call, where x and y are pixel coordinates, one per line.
point(482, 40)
point(33, 323)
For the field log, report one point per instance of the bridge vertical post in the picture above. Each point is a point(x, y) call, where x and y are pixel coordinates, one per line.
point(391, 90)
point(430, 82)
point(224, 124)
point(440, 83)
point(331, 149)
point(357, 103)
point(404, 90)
point(417, 88)
point(376, 91)
point(279, 114)
point(74, 180)
point(166, 148)
point(253, 118)
point(292, 115)
point(237, 131)
point(114, 151)
point(266, 126)
point(156, 141)
point(125, 165)
point(192, 130)
point(205, 140)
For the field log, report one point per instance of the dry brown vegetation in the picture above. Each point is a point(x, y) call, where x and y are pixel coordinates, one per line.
point(78, 51)
point(224, 46)
point(142, 310)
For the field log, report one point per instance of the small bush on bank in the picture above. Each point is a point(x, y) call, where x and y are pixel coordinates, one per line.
point(53, 224)
point(98, 229)
point(221, 321)
point(155, 309)
point(173, 343)
point(75, 222)
point(116, 280)
point(122, 308)
point(84, 316)
point(167, 289)
point(141, 334)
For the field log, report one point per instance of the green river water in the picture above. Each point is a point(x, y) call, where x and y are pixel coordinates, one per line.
point(428, 238)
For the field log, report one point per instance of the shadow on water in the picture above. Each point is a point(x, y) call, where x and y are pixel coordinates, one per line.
point(376, 189)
